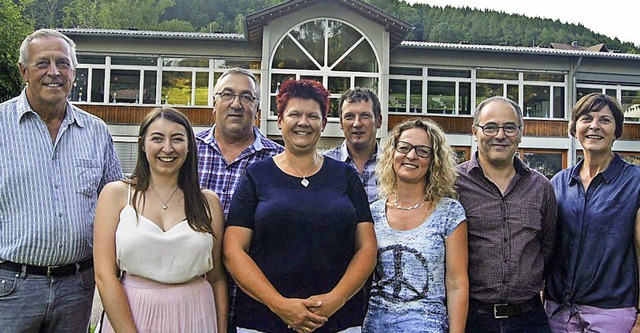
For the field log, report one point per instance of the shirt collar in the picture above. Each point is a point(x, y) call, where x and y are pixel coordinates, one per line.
point(23, 108)
point(344, 152)
point(257, 142)
point(613, 170)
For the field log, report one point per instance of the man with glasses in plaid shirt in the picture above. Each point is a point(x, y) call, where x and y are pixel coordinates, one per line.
point(233, 142)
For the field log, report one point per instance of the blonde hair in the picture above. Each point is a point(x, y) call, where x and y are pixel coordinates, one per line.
point(442, 174)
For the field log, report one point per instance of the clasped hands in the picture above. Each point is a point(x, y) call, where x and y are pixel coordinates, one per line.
point(307, 315)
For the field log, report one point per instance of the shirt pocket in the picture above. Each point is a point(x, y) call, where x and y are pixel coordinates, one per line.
point(89, 175)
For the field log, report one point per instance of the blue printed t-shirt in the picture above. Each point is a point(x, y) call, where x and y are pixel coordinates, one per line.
point(303, 238)
point(594, 262)
point(408, 291)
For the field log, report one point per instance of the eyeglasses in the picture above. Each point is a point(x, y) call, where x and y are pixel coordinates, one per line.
point(229, 96)
point(403, 147)
point(493, 129)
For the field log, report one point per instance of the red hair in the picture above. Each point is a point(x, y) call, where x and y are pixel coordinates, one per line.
point(305, 89)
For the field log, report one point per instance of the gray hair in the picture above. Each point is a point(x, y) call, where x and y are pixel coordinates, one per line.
point(45, 33)
point(516, 108)
point(240, 71)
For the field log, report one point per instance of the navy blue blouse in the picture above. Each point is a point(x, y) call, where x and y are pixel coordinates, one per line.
point(303, 237)
point(595, 262)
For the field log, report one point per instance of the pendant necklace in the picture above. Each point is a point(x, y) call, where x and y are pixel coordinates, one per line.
point(395, 203)
point(164, 203)
point(304, 181)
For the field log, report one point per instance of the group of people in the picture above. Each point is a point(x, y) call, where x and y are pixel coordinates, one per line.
point(228, 231)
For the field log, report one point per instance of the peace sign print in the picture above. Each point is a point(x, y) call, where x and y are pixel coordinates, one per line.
point(408, 279)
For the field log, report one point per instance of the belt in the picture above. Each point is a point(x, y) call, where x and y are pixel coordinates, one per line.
point(506, 310)
point(50, 271)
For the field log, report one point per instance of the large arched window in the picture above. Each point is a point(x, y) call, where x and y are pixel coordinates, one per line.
point(332, 52)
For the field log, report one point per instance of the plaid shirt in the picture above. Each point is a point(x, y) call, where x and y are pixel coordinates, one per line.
point(222, 177)
point(368, 175)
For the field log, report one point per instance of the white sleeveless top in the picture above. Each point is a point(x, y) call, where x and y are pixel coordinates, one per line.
point(173, 256)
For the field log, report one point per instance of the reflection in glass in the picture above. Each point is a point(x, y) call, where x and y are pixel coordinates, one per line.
point(185, 62)
point(149, 87)
point(90, 59)
point(536, 101)
point(79, 89)
point(631, 105)
point(124, 86)
point(367, 82)
point(231, 63)
point(512, 92)
point(546, 77)
point(97, 86)
point(202, 88)
point(558, 102)
point(334, 109)
point(176, 88)
point(441, 97)
point(415, 90)
point(464, 100)
point(137, 61)
point(449, 72)
point(311, 36)
point(397, 95)
point(486, 90)
point(360, 59)
point(288, 55)
point(278, 79)
point(586, 91)
point(405, 71)
point(496, 74)
point(340, 38)
point(547, 163)
point(338, 85)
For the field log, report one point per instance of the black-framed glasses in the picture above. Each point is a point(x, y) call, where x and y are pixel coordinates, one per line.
point(229, 96)
point(403, 147)
point(493, 129)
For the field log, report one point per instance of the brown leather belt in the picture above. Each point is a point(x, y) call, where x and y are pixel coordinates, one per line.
point(50, 271)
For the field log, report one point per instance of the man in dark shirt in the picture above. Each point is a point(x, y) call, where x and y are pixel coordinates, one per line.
point(511, 212)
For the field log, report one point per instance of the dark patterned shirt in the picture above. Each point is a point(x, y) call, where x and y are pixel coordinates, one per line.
point(511, 236)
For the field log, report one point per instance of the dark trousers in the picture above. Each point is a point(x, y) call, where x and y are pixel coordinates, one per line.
point(533, 321)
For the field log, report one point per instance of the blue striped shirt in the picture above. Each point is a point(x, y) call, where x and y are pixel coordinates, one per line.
point(222, 177)
point(49, 191)
point(368, 175)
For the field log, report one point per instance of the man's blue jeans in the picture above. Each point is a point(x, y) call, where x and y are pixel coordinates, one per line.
point(34, 303)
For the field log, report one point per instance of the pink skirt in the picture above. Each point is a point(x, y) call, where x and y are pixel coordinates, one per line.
point(157, 307)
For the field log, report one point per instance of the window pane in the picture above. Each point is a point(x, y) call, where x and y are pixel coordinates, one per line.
point(494, 74)
point(139, 61)
point(441, 97)
point(334, 110)
point(311, 77)
point(176, 88)
point(150, 84)
point(340, 38)
point(464, 103)
point(367, 82)
point(486, 90)
point(185, 62)
point(548, 77)
point(290, 56)
point(547, 163)
point(513, 92)
point(586, 91)
point(278, 79)
point(231, 63)
point(405, 71)
point(415, 88)
point(97, 85)
point(448, 72)
point(338, 85)
point(536, 101)
point(202, 88)
point(311, 36)
point(558, 102)
point(361, 59)
point(79, 88)
point(397, 95)
point(124, 86)
point(631, 105)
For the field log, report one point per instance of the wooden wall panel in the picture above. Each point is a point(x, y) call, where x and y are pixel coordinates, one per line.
point(132, 114)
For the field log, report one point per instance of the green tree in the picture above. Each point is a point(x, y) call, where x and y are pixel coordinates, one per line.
point(14, 27)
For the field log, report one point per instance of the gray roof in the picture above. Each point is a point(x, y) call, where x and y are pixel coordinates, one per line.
point(152, 34)
point(517, 49)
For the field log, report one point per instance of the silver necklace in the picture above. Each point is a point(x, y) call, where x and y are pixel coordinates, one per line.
point(164, 203)
point(395, 203)
point(304, 181)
